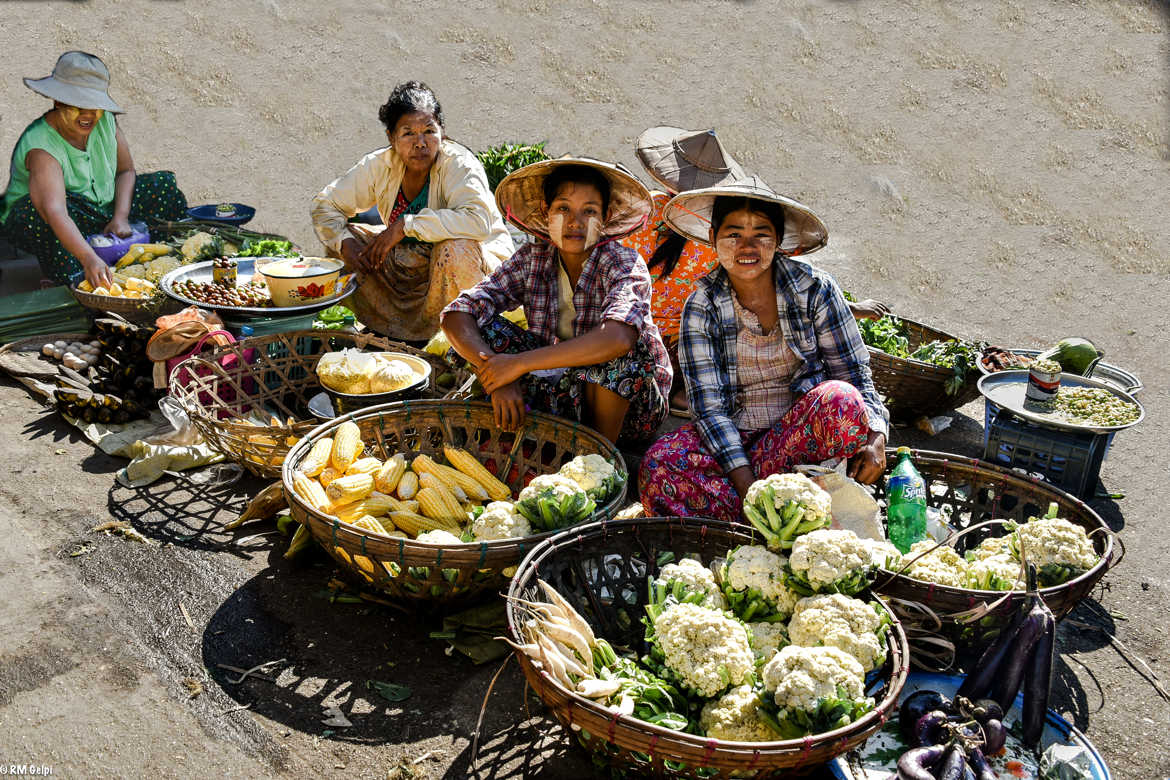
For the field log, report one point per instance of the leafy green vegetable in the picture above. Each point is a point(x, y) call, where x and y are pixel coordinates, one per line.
point(890, 336)
point(335, 317)
point(389, 691)
point(267, 248)
point(499, 161)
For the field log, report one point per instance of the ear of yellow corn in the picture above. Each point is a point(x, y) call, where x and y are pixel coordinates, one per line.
point(407, 485)
point(409, 505)
point(464, 487)
point(376, 504)
point(328, 474)
point(368, 523)
point(439, 504)
point(386, 480)
point(414, 524)
point(369, 466)
point(347, 445)
point(311, 492)
point(318, 457)
point(344, 490)
point(428, 479)
point(467, 463)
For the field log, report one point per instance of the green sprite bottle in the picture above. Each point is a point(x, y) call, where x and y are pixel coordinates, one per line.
point(906, 509)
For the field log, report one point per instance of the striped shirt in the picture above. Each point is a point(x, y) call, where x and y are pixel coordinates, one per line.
point(818, 327)
point(614, 285)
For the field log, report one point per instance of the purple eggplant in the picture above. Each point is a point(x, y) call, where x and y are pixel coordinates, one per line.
point(979, 681)
point(1011, 672)
point(981, 769)
point(915, 706)
point(994, 736)
point(1038, 683)
point(984, 710)
point(954, 761)
point(931, 729)
point(915, 764)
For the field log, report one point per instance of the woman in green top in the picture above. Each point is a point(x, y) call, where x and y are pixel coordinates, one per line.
point(72, 175)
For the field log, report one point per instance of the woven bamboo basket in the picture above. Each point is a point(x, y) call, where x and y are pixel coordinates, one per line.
point(601, 569)
point(274, 375)
point(421, 573)
point(912, 388)
point(138, 310)
point(975, 492)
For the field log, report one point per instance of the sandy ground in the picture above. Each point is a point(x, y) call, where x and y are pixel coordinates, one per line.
point(997, 169)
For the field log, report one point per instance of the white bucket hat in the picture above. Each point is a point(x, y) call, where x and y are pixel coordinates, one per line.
point(689, 213)
point(78, 79)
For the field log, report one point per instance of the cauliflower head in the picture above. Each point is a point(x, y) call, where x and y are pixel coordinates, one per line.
point(835, 620)
point(752, 570)
point(991, 547)
point(784, 506)
point(593, 473)
point(688, 576)
point(1054, 541)
point(791, 487)
point(799, 677)
point(994, 572)
point(438, 536)
point(703, 649)
point(735, 716)
point(830, 560)
point(942, 565)
point(557, 485)
point(883, 554)
point(197, 245)
point(767, 639)
point(500, 520)
point(552, 501)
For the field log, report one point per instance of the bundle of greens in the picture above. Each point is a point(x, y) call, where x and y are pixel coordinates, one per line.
point(267, 248)
point(499, 161)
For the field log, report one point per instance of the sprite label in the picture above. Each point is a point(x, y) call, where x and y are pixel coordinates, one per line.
point(906, 512)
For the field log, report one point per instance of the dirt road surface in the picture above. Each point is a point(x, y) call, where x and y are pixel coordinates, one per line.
point(996, 169)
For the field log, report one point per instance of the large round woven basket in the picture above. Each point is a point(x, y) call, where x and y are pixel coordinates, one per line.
point(273, 376)
point(419, 572)
point(602, 570)
point(975, 492)
point(912, 388)
point(137, 310)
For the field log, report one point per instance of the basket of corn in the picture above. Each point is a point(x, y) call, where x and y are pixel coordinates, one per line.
point(429, 501)
point(250, 400)
point(133, 298)
point(646, 640)
point(963, 591)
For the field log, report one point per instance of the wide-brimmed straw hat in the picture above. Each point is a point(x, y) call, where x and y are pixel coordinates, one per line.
point(689, 213)
point(682, 160)
point(520, 197)
point(78, 79)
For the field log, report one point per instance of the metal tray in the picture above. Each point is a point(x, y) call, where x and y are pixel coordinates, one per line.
point(1123, 380)
point(245, 266)
point(1007, 388)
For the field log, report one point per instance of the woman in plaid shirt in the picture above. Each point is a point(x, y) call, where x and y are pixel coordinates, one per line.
point(591, 352)
point(775, 368)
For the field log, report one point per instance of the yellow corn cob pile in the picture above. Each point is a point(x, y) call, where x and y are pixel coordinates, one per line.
point(375, 504)
point(318, 457)
point(369, 466)
point(386, 480)
point(345, 490)
point(414, 524)
point(439, 504)
point(328, 474)
point(368, 523)
point(347, 445)
point(468, 464)
point(429, 480)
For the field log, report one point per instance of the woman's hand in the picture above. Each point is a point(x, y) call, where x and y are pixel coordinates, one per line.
point(378, 251)
point(97, 273)
point(741, 479)
point(508, 407)
point(498, 371)
point(869, 309)
point(119, 226)
point(351, 252)
point(868, 465)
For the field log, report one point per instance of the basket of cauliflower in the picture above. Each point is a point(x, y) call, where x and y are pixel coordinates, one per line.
point(973, 582)
point(429, 502)
point(678, 647)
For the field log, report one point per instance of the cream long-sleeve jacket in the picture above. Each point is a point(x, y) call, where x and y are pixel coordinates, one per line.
point(459, 201)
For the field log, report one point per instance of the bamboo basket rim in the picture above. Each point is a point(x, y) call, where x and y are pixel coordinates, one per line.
point(896, 640)
point(342, 530)
point(1008, 477)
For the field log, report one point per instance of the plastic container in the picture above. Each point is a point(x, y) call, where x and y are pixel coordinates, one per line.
point(1067, 459)
point(112, 252)
point(906, 503)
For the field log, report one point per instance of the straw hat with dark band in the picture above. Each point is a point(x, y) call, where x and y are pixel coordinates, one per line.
point(520, 197)
point(78, 79)
point(689, 213)
point(683, 160)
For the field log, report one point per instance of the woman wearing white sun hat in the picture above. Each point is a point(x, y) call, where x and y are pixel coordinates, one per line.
point(72, 175)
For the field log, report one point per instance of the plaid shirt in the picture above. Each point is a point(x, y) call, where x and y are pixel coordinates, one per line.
point(818, 327)
point(614, 285)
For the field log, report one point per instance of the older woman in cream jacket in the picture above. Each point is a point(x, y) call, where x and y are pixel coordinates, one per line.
point(442, 234)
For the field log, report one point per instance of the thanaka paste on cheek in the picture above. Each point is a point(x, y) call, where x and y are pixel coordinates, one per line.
point(556, 229)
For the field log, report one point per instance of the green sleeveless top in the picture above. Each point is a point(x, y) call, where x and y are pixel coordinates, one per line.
point(89, 174)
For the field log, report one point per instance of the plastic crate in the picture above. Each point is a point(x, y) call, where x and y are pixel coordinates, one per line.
point(1067, 459)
